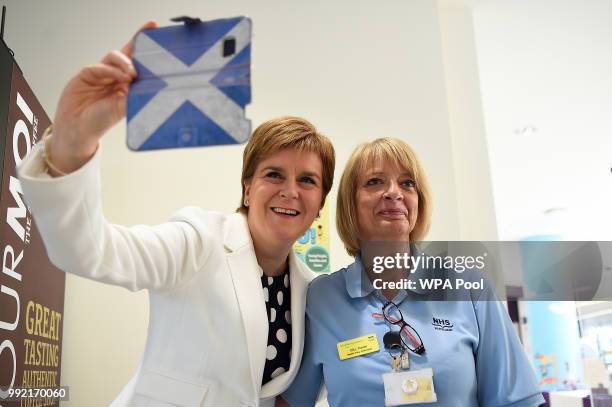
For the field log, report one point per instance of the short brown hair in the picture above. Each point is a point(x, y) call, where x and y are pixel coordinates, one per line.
point(282, 133)
point(363, 157)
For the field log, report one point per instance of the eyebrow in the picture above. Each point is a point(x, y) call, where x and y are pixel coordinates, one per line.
point(271, 168)
point(311, 174)
point(380, 173)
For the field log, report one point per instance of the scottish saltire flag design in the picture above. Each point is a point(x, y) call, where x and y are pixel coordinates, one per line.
point(187, 93)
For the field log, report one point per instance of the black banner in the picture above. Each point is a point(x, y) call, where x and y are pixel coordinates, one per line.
point(31, 288)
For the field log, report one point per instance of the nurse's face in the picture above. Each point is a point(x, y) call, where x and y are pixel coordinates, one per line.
point(284, 197)
point(387, 203)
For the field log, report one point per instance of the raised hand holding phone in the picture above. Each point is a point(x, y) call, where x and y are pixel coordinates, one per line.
point(91, 103)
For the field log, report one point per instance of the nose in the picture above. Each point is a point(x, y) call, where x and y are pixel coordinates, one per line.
point(393, 192)
point(289, 190)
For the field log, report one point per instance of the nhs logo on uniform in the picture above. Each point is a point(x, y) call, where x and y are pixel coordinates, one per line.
point(442, 324)
point(192, 87)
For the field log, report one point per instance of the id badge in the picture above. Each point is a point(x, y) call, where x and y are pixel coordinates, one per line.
point(409, 387)
point(357, 346)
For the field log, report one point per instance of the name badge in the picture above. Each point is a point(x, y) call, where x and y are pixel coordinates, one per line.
point(409, 387)
point(358, 346)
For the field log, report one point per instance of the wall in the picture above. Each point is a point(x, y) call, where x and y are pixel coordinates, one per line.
point(357, 69)
point(546, 89)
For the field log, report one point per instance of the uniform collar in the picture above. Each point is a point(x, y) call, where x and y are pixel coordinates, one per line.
point(357, 282)
point(359, 285)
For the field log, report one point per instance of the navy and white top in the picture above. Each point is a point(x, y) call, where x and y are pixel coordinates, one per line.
point(278, 304)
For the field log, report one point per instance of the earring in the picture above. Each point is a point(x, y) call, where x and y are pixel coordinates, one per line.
point(246, 202)
point(318, 215)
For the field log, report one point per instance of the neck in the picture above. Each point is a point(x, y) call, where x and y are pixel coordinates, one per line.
point(388, 276)
point(271, 254)
point(370, 250)
point(272, 260)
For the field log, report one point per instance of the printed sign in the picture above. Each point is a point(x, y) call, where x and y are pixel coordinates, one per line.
point(31, 288)
point(313, 246)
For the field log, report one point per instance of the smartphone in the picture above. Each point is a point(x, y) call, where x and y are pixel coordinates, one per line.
point(192, 87)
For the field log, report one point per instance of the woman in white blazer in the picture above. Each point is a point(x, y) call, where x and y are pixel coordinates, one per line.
point(219, 285)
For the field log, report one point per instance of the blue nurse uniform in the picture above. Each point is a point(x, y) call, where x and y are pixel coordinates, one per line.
point(476, 356)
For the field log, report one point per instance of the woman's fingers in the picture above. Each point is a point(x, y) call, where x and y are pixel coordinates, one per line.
point(119, 60)
point(127, 48)
point(95, 98)
point(122, 59)
point(103, 74)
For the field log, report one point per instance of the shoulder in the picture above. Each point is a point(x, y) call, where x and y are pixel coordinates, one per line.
point(468, 285)
point(325, 282)
point(326, 289)
point(482, 288)
point(215, 229)
point(328, 282)
point(199, 217)
point(208, 222)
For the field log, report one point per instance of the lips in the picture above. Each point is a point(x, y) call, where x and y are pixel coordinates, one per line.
point(395, 213)
point(285, 211)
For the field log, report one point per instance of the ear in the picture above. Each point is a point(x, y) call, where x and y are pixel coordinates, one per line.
point(247, 189)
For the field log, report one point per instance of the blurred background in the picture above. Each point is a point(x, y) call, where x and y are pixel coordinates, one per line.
point(507, 103)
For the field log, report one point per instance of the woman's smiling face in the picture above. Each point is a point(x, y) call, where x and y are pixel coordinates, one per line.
point(387, 203)
point(284, 196)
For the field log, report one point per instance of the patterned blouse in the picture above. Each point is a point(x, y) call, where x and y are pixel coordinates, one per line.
point(278, 304)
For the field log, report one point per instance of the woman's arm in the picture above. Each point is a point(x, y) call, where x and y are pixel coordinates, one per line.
point(505, 376)
point(68, 209)
point(79, 240)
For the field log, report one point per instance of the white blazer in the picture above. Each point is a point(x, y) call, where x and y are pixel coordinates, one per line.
point(208, 327)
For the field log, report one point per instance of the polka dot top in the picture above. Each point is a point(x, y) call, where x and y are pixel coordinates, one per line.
point(278, 304)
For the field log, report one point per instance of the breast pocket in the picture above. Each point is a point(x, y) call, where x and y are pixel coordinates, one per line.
point(159, 390)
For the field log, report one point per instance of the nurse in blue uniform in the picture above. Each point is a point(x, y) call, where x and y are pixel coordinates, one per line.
point(470, 349)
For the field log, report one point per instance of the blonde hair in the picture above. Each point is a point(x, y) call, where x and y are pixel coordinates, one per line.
point(363, 157)
point(282, 133)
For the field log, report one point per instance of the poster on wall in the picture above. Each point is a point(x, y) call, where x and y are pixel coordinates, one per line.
point(313, 246)
point(31, 288)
